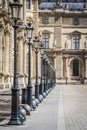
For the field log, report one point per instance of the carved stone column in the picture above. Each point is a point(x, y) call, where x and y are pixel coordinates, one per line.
point(1, 40)
point(20, 55)
point(67, 69)
point(24, 11)
point(11, 55)
point(86, 67)
point(20, 60)
point(0, 2)
point(2, 85)
point(59, 66)
point(6, 58)
point(83, 70)
point(6, 53)
point(35, 17)
point(25, 61)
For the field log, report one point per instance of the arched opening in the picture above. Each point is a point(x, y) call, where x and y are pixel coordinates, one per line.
point(75, 67)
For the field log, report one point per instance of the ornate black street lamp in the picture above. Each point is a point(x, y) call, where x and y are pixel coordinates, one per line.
point(44, 64)
point(29, 29)
point(47, 76)
point(15, 109)
point(36, 44)
point(41, 81)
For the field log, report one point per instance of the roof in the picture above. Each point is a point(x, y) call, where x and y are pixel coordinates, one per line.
point(73, 5)
point(46, 5)
point(70, 5)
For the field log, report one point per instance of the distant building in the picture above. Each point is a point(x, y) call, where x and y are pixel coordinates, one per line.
point(64, 27)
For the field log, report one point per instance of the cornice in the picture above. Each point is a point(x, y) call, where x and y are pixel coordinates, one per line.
point(72, 26)
point(64, 13)
point(74, 52)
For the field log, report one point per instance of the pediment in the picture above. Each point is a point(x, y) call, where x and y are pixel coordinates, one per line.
point(46, 31)
point(76, 32)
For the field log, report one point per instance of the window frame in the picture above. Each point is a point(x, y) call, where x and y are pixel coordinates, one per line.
point(27, 4)
point(75, 41)
point(45, 40)
point(75, 21)
point(45, 20)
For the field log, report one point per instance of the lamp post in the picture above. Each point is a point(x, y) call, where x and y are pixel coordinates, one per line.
point(47, 76)
point(15, 108)
point(29, 30)
point(44, 64)
point(41, 81)
point(36, 43)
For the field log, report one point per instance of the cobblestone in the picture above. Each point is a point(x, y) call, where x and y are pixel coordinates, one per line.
point(65, 108)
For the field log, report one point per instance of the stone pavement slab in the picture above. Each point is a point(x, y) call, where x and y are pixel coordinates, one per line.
point(65, 108)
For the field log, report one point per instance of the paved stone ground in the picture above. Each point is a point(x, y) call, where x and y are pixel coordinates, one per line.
point(65, 108)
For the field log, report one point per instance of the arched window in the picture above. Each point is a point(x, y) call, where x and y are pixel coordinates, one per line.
point(75, 67)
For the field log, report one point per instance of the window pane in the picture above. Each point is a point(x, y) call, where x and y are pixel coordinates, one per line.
point(45, 20)
point(28, 4)
point(76, 42)
point(46, 40)
point(76, 21)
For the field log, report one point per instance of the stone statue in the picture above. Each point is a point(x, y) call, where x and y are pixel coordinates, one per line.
point(85, 44)
point(5, 5)
point(66, 44)
point(54, 44)
point(58, 4)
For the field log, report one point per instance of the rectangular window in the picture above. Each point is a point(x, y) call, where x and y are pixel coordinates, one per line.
point(46, 41)
point(45, 20)
point(27, 4)
point(76, 42)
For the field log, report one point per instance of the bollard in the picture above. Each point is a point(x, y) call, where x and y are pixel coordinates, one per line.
point(40, 98)
point(44, 95)
point(27, 108)
point(34, 104)
point(22, 114)
point(37, 101)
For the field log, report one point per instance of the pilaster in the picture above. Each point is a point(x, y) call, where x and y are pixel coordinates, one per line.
point(24, 11)
point(11, 55)
point(35, 17)
point(6, 52)
point(67, 69)
point(6, 58)
point(59, 65)
point(20, 55)
point(1, 46)
point(2, 85)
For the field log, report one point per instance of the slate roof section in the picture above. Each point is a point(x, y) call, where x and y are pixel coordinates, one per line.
point(47, 5)
point(74, 6)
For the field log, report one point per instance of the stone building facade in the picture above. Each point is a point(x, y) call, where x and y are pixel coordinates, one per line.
point(29, 13)
point(65, 24)
point(63, 27)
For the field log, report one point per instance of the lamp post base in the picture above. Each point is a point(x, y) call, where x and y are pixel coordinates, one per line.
point(14, 121)
point(44, 95)
point(32, 108)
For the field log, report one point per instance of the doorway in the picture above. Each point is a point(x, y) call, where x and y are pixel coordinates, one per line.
point(75, 67)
